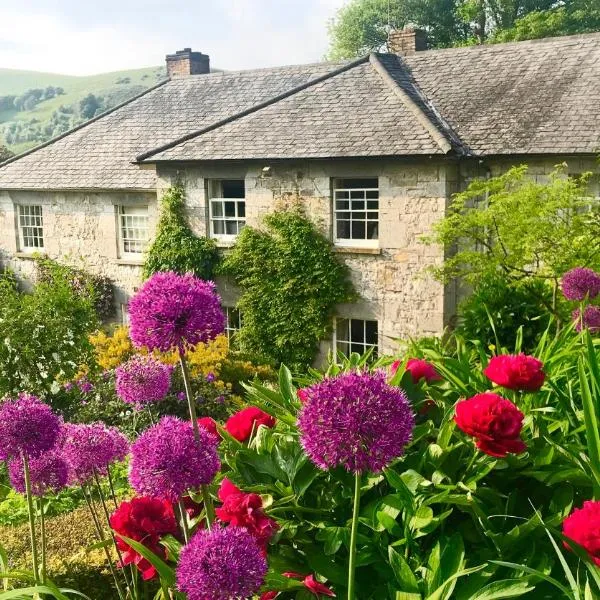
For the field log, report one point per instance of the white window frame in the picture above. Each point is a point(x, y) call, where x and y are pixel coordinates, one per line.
point(30, 216)
point(355, 242)
point(231, 331)
point(337, 341)
point(124, 313)
point(128, 211)
point(216, 198)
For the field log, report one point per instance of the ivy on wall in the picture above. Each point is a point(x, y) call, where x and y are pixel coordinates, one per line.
point(291, 282)
point(176, 247)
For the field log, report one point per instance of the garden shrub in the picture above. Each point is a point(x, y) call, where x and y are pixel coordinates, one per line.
point(112, 349)
point(45, 336)
point(291, 282)
point(496, 309)
point(84, 284)
point(176, 247)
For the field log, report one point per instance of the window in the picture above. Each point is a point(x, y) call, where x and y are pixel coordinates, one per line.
point(227, 207)
point(124, 314)
point(355, 335)
point(31, 228)
point(356, 211)
point(233, 321)
point(133, 229)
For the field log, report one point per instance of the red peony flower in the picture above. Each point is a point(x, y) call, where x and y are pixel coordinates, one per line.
point(421, 369)
point(516, 372)
point(310, 583)
point(493, 421)
point(245, 510)
point(583, 526)
point(144, 520)
point(209, 425)
point(269, 595)
point(241, 424)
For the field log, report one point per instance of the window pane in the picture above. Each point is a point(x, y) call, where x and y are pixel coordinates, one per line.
point(218, 227)
point(343, 230)
point(359, 216)
point(217, 209)
point(372, 193)
point(343, 329)
point(344, 348)
point(241, 209)
point(358, 230)
point(372, 231)
point(357, 330)
point(233, 188)
point(231, 227)
point(229, 209)
point(358, 194)
point(371, 332)
point(373, 204)
point(356, 182)
point(342, 205)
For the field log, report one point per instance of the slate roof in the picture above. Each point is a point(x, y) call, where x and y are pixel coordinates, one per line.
point(532, 97)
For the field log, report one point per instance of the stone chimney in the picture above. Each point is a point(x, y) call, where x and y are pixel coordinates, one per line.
point(407, 41)
point(185, 62)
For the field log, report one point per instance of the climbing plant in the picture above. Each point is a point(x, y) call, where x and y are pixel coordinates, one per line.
point(176, 247)
point(291, 282)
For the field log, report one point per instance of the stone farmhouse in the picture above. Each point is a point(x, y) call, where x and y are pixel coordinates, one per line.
point(373, 148)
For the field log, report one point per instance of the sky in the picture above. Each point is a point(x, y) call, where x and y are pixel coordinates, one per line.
point(82, 37)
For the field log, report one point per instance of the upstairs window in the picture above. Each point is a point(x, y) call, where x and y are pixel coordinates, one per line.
point(31, 228)
point(227, 207)
point(356, 211)
point(133, 230)
point(355, 335)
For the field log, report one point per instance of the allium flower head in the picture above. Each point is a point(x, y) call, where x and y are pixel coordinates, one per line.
point(583, 526)
point(579, 283)
point(222, 564)
point(173, 311)
point(591, 319)
point(167, 460)
point(93, 447)
point(48, 473)
point(142, 380)
point(27, 425)
point(355, 420)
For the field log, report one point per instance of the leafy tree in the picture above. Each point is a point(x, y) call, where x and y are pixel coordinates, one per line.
point(519, 228)
point(5, 153)
point(176, 247)
point(44, 335)
point(291, 283)
point(89, 105)
point(362, 26)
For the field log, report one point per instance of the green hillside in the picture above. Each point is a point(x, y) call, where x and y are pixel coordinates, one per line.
point(35, 107)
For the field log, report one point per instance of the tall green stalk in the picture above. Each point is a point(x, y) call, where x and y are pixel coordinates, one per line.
point(208, 503)
point(31, 511)
point(353, 536)
point(43, 536)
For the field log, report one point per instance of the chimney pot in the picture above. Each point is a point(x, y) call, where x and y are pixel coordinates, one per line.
point(407, 41)
point(185, 62)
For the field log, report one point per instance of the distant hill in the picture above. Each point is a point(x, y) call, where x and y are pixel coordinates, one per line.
point(35, 107)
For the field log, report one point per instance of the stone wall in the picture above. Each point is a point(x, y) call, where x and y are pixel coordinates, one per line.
point(79, 229)
point(390, 279)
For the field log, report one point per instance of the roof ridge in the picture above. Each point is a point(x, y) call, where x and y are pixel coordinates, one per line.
point(248, 111)
point(84, 124)
point(444, 139)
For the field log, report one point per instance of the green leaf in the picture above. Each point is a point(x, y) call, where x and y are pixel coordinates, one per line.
point(167, 573)
point(535, 572)
point(591, 428)
point(505, 588)
point(404, 576)
point(422, 517)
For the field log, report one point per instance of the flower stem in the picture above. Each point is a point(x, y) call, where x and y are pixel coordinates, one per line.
point(112, 535)
point(43, 529)
point(183, 520)
point(188, 392)
point(101, 538)
point(34, 554)
point(353, 535)
point(209, 508)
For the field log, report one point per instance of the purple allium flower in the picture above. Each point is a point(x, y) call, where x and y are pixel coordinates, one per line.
point(142, 380)
point(167, 460)
point(48, 473)
point(579, 283)
point(591, 319)
point(174, 311)
point(221, 564)
point(355, 420)
point(210, 377)
point(181, 396)
point(93, 447)
point(27, 425)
